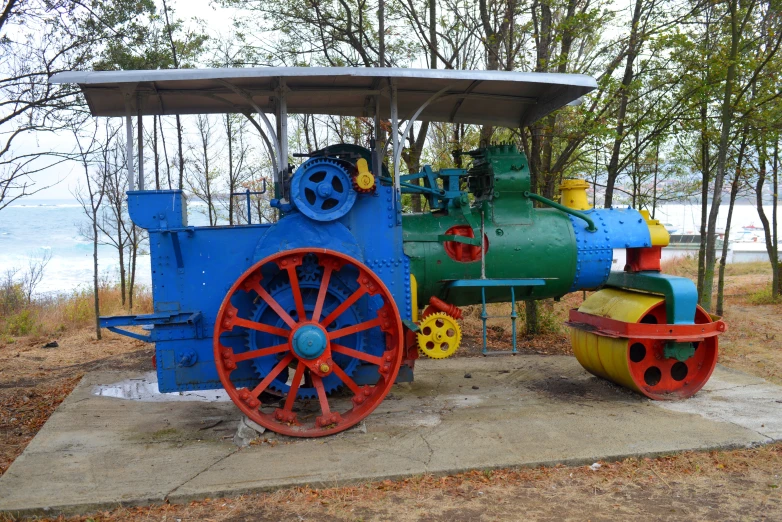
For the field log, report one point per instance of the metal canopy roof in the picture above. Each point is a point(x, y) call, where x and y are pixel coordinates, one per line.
point(507, 99)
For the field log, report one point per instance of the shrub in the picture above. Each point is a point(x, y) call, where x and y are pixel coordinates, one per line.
point(764, 297)
point(24, 322)
point(12, 298)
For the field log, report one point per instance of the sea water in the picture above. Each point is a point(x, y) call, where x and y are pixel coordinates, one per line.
point(29, 227)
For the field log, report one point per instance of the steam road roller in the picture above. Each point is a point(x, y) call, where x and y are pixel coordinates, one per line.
point(309, 319)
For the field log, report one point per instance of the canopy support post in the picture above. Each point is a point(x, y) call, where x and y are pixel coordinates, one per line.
point(129, 137)
point(140, 143)
point(282, 135)
point(395, 140)
point(414, 118)
point(380, 146)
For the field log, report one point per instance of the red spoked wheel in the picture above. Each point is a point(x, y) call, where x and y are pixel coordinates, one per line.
point(294, 329)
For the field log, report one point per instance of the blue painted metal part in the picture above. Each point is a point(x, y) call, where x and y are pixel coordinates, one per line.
point(616, 228)
point(438, 198)
point(194, 267)
point(322, 189)
point(309, 342)
point(493, 283)
point(681, 294)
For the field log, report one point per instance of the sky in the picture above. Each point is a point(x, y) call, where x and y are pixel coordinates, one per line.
point(62, 179)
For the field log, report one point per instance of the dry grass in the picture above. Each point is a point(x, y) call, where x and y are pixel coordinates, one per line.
point(61, 314)
point(688, 267)
point(34, 380)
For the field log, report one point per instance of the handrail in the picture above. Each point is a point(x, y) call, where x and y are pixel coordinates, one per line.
point(563, 208)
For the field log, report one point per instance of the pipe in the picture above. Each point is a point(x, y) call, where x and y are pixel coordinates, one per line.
point(563, 208)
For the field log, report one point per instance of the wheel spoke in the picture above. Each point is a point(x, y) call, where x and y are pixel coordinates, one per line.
point(324, 287)
point(261, 291)
point(347, 303)
point(294, 390)
point(265, 328)
point(350, 352)
point(345, 378)
point(360, 327)
point(272, 375)
point(296, 291)
point(262, 352)
point(324, 400)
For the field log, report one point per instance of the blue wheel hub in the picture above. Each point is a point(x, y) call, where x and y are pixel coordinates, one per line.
point(309, 342)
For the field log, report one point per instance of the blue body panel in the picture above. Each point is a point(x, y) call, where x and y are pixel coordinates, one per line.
point(193, 268)
point(616, 228)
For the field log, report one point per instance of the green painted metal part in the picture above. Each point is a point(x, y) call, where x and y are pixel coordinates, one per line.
point(563, 208)
point(524, 242)
point(678, 351)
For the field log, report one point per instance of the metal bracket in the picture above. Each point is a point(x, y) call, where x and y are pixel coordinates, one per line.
point(607, 327)
point(190, 324)
point(681, 296)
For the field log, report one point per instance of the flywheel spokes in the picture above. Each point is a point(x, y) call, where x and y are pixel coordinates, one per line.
point(301, 340)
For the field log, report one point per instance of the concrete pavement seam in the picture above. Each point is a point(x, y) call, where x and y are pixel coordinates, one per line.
point(431, 451)
point(210, 466)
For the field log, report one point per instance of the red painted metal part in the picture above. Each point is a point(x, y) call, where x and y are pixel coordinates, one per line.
point(656, 376)
point(438, 305)
point(642, 259)
point(461, 252)
point(608, 327)
point(336, 414)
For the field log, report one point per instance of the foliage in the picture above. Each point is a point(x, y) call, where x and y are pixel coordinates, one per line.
point(765, 296)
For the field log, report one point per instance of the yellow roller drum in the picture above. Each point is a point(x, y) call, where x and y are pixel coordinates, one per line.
point(640, 364)
point(606, 357)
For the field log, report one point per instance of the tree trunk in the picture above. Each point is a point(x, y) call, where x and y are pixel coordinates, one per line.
point(181, 154)
point(95, 286)
point(705, 181)
point(724, 258)
point(726, 120)
point(654, 187)
point(121, 252)
point(165, 152)
point(769, 229)
point(627, 79)
point(531, 317)
point(776, 266)
point(133, 256)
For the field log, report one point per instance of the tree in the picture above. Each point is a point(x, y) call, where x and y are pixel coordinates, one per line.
point(90, 196)
point(203, 176)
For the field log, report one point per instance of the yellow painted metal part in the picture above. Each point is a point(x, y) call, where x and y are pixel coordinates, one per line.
point(657, 231)
point(364, 179)
point(439, 336)
point(574, 194)
point(604, 356)
point(414, 298)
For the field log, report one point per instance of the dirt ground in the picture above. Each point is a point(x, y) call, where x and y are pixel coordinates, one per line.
point(726, 485)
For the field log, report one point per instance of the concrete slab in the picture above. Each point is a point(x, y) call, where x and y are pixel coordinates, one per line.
point(99, 451)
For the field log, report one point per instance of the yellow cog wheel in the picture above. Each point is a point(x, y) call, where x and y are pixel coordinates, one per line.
point(439, 336)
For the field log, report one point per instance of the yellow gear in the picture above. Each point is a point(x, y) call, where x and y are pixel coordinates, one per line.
point(439, 336)
point(364, 180)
